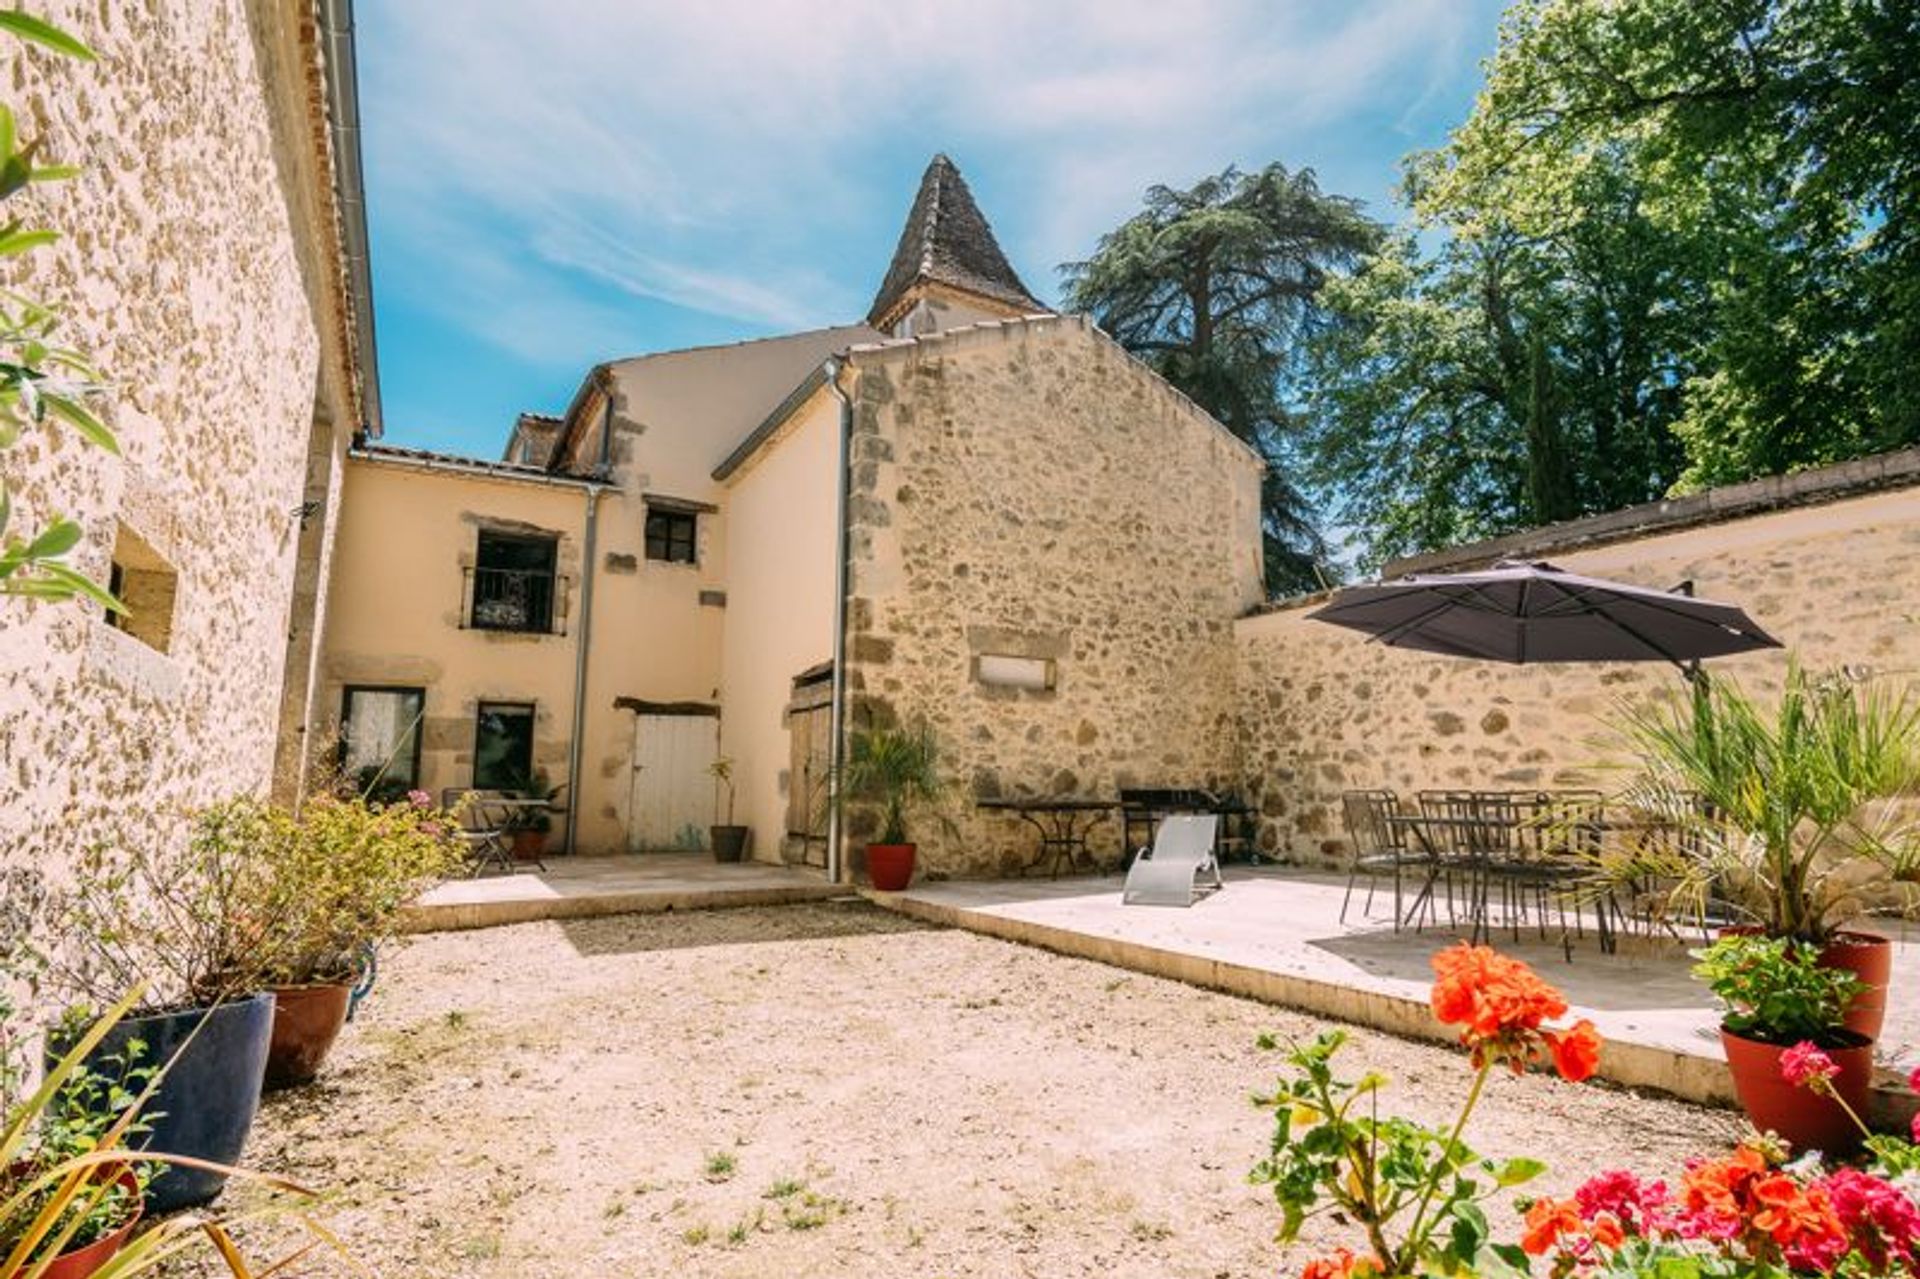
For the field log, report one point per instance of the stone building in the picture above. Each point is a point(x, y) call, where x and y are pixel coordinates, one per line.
point(214, 265)
point(965, 509)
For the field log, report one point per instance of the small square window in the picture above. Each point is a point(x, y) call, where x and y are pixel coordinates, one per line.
point(503, 746)
point(672, 536)
point(146, 584)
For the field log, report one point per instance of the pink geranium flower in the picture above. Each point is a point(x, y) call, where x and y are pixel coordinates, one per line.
point(1804, 1064)
point(1634, 1203)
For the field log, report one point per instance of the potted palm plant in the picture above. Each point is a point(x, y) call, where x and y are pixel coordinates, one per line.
point(729, 840)
point(1793, 820)
point(896, 771)
point(340, 872)
point(1778, 1003)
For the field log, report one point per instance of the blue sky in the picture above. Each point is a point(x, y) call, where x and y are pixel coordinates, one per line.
point(558, 183)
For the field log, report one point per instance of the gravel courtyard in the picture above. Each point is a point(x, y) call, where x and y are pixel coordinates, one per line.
point(830, 1090)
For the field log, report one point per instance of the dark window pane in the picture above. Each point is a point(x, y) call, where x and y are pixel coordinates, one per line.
point(672, 536)
point(503, 746)
point(513, 582)
point(380, 740)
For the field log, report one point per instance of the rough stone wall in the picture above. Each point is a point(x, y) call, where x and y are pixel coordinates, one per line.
point(1326, 711)
point(180, 272)
point(1027, 490)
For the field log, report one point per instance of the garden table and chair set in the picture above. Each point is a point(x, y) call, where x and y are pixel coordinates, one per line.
point(1513, 859)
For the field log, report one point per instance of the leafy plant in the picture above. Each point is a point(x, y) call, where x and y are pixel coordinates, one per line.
point(1789, 815)
point(179, 918)
point(721, 770)
point(897, 769)
point(1417, 1192)
point(41, 382)
point(339, 873)
point(1776, 990)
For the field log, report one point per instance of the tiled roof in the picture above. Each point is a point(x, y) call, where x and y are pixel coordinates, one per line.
point(427, 459)
point(947, 241)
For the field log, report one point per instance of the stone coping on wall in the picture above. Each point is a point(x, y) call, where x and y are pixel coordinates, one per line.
point(1825, 484)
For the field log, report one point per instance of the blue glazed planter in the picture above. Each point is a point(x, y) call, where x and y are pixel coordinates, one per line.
point(205, 1103)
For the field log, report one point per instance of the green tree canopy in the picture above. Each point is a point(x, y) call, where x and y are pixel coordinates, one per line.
point(1218, 287)
point(1675, 244)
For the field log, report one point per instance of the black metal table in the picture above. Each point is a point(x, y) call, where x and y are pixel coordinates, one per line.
point(1063, 823)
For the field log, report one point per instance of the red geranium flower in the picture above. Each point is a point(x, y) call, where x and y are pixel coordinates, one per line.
point(1547, 1221)
point(1576, 1052)
point(1340, 1264)
point(1805, 1066)
point(1501, 1007)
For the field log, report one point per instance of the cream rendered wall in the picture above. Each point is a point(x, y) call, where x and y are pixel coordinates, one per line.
point(394, 610)
point(782, 514)
point(653, 639)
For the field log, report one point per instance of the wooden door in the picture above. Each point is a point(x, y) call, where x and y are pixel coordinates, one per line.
point(674, 797)
point(809, 720)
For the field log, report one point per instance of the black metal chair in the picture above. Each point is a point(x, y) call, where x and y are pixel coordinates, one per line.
point(1380, 848)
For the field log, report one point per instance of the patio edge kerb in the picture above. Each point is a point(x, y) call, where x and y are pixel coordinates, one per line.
point(1700, 1080)
point(437, 917)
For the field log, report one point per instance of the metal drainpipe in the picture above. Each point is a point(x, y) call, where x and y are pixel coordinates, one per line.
point(837, 715)
point(589, 548)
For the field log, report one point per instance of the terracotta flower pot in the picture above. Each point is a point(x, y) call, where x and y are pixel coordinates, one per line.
point(1869, 957)
point(82, 1262)
point(890, 866)
point(529, 845)
point(306, 1021)
point(1803, 1117)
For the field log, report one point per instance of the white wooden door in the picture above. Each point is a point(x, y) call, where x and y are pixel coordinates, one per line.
point(673, 799)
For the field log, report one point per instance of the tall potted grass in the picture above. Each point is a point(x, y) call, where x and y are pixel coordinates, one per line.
point(896, 771)
point(1794, 818)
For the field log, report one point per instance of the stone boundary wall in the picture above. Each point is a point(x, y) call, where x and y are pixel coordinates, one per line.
point(1324, 710)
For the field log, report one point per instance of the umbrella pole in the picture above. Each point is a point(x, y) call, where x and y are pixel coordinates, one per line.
point(1695, 673)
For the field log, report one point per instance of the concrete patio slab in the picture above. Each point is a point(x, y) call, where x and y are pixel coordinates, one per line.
point(1275, 935)
point(581, 887)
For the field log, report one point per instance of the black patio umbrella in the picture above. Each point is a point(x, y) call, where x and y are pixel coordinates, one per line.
point(1520, 612)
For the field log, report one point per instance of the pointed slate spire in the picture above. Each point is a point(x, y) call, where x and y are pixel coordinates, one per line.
point(947, 241)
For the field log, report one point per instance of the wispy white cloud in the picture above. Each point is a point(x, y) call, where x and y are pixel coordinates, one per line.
point(545, 167)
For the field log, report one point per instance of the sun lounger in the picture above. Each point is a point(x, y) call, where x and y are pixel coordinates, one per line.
point(1170, 873)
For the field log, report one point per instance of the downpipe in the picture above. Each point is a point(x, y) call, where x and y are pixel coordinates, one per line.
point(837, 713)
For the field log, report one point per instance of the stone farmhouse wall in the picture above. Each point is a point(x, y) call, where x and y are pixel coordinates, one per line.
point(1026, 490)
point(1325, 710)
point(187, 270)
